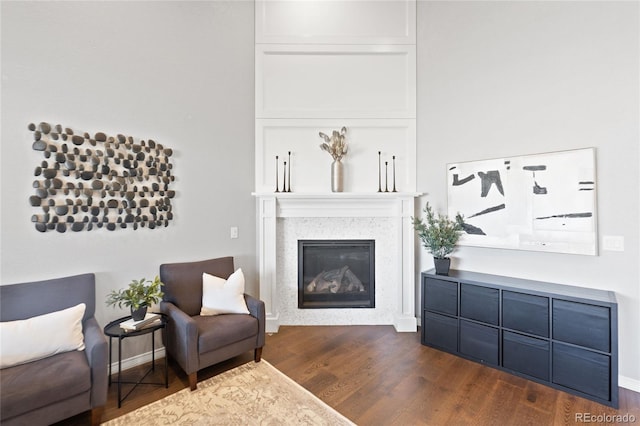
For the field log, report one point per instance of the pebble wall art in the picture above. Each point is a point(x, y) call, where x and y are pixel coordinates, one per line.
point(86, 182)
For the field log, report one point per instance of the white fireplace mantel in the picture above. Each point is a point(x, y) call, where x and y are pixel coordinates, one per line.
point(397, 207)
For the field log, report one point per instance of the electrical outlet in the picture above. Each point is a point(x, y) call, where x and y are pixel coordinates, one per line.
point(612, 243)
point(234, 232)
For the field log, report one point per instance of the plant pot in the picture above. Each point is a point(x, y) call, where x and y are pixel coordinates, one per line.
point(139, 313)
point(442, 265)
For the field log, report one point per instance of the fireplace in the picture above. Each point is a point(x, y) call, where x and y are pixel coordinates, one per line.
point(286, 218)
point(336, 274)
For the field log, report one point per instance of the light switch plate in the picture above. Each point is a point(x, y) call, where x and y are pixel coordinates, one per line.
point(234, 232)
point(612, 243)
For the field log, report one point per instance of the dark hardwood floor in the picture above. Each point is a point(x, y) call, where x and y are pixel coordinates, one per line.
point(375, 376)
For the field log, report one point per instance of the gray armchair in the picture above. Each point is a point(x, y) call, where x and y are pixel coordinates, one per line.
point(52, 389)
point(196, 341)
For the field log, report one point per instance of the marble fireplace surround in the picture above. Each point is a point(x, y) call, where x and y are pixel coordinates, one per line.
point(285, 218)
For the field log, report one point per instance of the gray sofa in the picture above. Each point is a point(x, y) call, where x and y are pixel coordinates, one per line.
point(63, 385)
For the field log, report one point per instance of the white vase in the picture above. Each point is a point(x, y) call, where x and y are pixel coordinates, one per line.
point(337, 176)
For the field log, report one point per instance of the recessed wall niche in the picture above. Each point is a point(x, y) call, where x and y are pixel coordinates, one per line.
point(95, 181)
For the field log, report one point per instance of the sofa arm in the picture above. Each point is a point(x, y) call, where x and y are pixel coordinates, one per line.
point(257, 309)
point(97, 352)
point(182, 337)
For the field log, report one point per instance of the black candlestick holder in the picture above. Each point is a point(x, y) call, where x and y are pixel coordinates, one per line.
point(386, 176)
point(289, 175)
point(379, 173)
point(284, 177)
point(277, 166)
point(394, 174)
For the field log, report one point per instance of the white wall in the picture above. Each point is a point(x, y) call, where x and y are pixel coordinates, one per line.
point(500, 79)
point(322, 65)
point(180, 73)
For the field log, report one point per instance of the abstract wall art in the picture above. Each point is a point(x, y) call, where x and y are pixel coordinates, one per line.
point(541, 202)
point(95, 181)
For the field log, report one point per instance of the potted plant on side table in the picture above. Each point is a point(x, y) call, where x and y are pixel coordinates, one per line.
point(439, 235)
point(139, 295)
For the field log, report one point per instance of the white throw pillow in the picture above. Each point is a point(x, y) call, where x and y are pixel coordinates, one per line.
point(41, 336)
point(220, 296)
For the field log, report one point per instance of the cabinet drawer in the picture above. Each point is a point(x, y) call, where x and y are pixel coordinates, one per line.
point(479, 341)
point(526, 355)
point(581, 324)
point(441, 296)
point(480, 303)
point(525, 312)
point(582, 370)
point(441, 331)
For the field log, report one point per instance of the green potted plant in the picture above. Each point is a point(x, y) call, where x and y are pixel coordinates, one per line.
point(439, 235)
point(138, 296)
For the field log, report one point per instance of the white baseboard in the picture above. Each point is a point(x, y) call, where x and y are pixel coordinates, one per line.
point(405, 323)
point(628, 383)
point(272, 324)
point(136, 360)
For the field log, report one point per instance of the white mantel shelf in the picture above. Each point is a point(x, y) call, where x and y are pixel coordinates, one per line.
point(397, 206)
point(340, 204)
point(337, 195)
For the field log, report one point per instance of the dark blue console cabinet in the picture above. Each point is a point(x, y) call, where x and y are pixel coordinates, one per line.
point(563, 336)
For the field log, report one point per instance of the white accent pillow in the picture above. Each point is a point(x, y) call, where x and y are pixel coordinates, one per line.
point(220, 296)
point(41, 336)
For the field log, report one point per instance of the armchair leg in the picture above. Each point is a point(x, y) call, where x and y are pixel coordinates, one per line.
point(258, 354)
point(96, 415)
point(193, 381)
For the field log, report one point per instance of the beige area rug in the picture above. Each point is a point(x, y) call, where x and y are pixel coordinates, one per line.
point(251, 394)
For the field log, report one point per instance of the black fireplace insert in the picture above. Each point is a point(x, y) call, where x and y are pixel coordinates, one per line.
point(336, 274)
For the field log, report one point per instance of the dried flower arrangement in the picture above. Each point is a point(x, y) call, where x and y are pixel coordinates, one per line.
point(335, 145)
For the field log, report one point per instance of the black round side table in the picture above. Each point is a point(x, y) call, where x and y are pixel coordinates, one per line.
point(113, 330)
